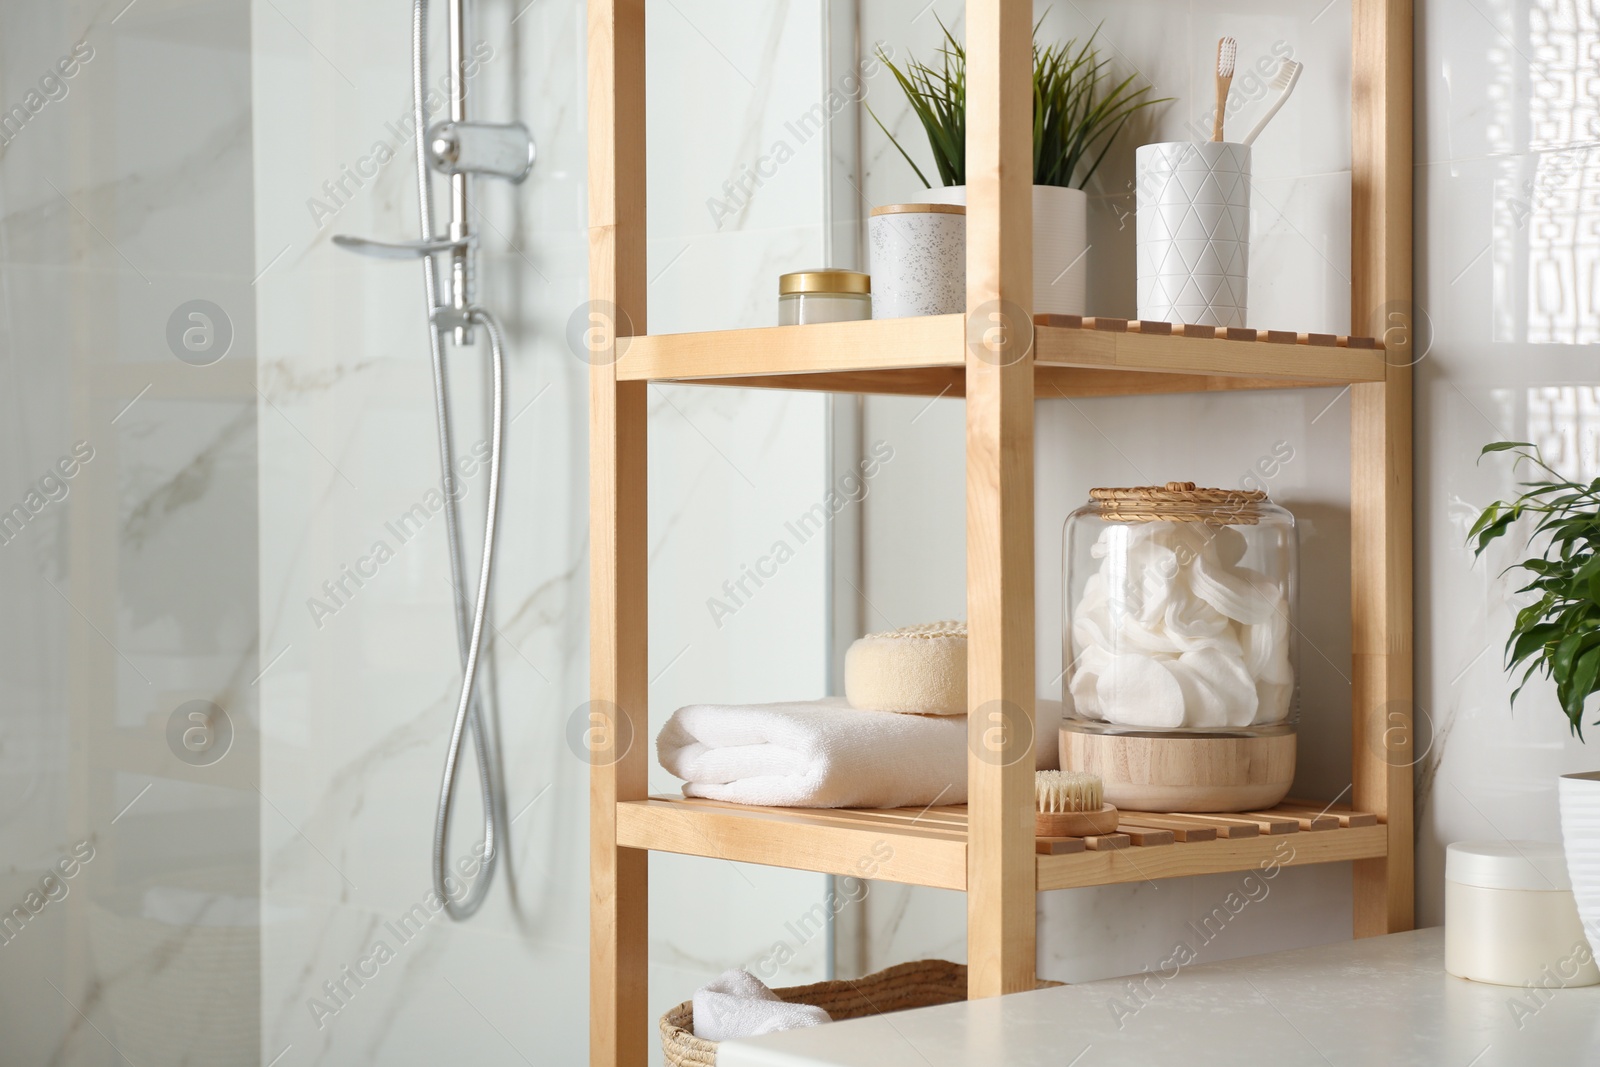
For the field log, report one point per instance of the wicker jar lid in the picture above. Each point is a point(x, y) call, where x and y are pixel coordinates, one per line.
point(1179, 502)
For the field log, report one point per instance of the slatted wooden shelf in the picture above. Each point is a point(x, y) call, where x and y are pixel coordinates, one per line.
point(929, 846)
point(1073, 357)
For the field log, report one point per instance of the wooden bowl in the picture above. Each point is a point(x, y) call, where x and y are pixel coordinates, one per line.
point(1177, 772)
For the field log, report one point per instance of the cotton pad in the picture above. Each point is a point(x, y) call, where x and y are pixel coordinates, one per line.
point(1217, 688)
point(1266, 647)
point(1169, 629)
point(1140, 691)
point(1084, 681)
point(1272, 700)
point(1192, 624)
point(920, 670)
point(1239, 593)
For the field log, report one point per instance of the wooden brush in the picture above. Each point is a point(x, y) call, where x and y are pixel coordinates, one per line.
point(1071, 804)
point(1227, 52)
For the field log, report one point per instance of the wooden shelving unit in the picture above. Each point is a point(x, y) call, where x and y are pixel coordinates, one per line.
point(987, 847)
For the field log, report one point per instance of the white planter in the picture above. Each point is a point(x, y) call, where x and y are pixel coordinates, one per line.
point(1580, 837)
point(1192, 232)
point(918, 256)
point(1060, 246)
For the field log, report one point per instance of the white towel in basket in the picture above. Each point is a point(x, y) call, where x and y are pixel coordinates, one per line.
point(738, 1004)
point(825, 754)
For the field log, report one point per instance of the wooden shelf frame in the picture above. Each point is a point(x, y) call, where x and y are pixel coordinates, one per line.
point(927, 356)
point(993, 856)
point(929, 847)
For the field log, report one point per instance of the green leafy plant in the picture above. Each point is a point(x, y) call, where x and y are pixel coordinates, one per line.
point(1077, 111)
point(1559, 633)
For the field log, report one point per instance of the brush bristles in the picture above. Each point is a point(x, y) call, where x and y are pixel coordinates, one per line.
point(1286, 72)
point(1227, 53)
point(1058, 792)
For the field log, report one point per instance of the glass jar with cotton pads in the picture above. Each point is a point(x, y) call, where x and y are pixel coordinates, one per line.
point(1510, 917)
point(825, 295)
point(1178, 643)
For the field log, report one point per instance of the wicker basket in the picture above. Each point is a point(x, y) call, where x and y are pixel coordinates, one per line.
point(920, 984)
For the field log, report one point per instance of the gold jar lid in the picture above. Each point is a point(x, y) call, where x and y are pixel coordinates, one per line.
point(1179, 502)
point(824, 281)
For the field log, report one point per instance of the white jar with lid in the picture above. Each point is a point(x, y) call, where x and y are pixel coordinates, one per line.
point(825, 295)
point(1510, 918)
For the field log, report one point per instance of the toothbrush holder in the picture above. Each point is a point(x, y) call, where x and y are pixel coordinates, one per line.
point(1192, 232)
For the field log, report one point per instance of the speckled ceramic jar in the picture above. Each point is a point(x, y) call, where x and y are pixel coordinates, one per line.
point(919, 259)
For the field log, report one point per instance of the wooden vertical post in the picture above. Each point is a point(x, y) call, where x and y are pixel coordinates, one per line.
point(999, 377)
point(1380, 453)
point(617, 736)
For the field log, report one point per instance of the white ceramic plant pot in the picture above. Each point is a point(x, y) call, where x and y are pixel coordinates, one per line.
point(1580, 837)
point(1060, 246)
point(918, 255)
point(1192, 232)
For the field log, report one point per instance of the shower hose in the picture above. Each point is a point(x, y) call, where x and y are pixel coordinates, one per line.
point(470, 711)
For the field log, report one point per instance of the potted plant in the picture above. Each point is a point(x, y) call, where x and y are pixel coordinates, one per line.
point(1558, 636)
point(1077, 113)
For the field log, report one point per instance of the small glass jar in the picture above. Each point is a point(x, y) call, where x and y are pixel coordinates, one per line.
point(825, 295)
point(1180, 624)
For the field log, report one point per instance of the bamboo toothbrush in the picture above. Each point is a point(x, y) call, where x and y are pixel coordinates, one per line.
point(1227, 52)
point(1071, 804)
point(1283, 82)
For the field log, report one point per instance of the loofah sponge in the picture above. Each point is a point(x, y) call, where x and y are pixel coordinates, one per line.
point(920, 670)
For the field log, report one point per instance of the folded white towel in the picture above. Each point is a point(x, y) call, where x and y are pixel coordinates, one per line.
point(816, 754)
point(737, 1004)
point(827, 754)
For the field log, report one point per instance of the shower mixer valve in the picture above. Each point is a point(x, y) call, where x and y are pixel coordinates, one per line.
point(460, 149)
point(498, 149)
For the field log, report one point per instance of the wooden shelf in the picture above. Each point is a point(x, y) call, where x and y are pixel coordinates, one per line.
point(996, 859)
point(929, 847)
point(1072, 358)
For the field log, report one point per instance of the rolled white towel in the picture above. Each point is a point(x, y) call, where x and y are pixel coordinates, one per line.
point(738, 1004)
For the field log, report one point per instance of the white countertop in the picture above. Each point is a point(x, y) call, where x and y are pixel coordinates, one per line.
point(1379, 1001)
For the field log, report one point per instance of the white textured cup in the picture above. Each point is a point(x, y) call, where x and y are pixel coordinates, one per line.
point(1192, 232)
point(1580, 838)
point(1060, 246)
point(919, 260)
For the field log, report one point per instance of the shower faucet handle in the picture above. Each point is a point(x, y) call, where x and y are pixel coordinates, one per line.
point(365, 246)
point(499, 149)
